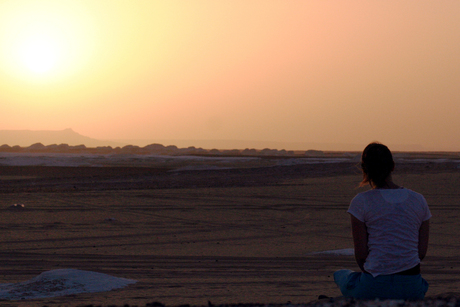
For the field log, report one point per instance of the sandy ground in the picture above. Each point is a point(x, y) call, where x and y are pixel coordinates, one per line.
point(225, 236)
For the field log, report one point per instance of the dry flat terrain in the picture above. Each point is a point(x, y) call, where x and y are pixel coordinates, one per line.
point(245, 235)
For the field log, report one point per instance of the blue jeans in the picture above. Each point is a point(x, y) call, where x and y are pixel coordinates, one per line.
point(364, 286)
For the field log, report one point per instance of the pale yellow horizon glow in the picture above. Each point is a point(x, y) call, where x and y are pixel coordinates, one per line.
point(341, 72)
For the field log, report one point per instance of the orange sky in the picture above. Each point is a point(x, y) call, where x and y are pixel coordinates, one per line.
point(263, 70)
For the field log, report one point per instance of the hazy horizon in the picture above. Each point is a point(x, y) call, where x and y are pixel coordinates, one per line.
point(26, 138)
point(296, 72)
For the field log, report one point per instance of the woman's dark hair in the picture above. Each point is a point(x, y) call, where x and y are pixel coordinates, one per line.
point(377, 164)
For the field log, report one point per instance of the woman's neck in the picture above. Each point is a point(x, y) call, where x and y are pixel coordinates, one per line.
point(389, 184)
point(388, 187)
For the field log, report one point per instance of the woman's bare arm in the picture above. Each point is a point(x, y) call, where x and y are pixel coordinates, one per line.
point(423, 236)
point(360, 237)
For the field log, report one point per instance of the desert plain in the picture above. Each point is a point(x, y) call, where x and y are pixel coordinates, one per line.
point(225, 231)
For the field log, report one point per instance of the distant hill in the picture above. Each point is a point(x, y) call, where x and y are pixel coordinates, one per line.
point(242, 144)
point(49, 137)
point(25, 138)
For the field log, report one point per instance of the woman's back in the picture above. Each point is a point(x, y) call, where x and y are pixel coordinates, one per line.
point(393, 218)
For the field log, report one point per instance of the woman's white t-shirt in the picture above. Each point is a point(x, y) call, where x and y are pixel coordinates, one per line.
point(393, 218)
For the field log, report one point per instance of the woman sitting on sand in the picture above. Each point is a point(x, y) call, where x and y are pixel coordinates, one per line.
point(390, 226)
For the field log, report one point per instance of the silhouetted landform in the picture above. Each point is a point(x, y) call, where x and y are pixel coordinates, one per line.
point(67, 136)
point(259, 144)
point(158, 149)
point(25, 138)
point(68, 141)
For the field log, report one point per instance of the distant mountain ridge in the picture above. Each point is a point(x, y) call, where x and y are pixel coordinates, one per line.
point(26, 138)
point(242, 144)
point(49, 137)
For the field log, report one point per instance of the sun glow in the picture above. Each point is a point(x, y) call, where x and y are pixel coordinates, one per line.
point(40, 52)
point(43, 40)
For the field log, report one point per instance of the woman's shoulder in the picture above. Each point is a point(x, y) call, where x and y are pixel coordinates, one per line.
point(384, 192)
point(361, 196)
point(417, 195)
point(367, 193)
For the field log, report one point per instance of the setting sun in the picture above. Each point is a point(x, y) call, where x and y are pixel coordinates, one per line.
point(44, 40)
point(40, 53)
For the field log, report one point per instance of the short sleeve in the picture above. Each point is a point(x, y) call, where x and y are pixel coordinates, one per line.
point(426, 213)
point(356, 207)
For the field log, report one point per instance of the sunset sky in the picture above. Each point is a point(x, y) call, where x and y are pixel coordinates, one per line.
point(346, 72)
